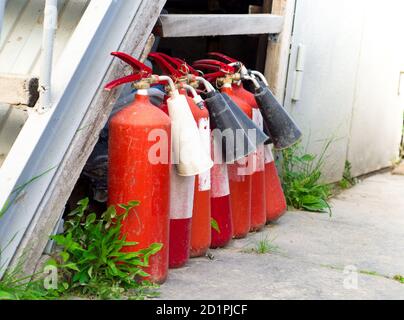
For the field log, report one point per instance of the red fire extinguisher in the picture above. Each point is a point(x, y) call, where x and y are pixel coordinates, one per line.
point(183, 186)
point(239, 178)
point(132, 176)
point(240, 184)
point(222, 221)
point(201, 215)
point(276, 205)
point(258, 190)
point(274, 197)
point(197, 229)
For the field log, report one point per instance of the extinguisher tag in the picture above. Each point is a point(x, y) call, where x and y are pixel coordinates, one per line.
point(259, 155)
point(181, 196)
point(269, 157)
point(204, 131)
point(220, 181)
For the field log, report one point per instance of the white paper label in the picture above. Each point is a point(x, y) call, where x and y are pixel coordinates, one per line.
point(220, 181)
point(259, 155)
point(181, 195)
point(204, 132)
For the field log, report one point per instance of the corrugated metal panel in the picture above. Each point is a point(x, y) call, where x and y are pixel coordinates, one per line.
point(11, 123)
point(20, 50)
point(20, 44)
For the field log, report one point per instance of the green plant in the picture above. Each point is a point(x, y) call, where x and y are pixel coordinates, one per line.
point(14, 285)
point(399, 278)
point(92, 261)
point(301, 174)
point(214, 225)
point(347, 180)
point(263, 246)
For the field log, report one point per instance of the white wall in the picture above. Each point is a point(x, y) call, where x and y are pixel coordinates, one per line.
point(352, 64)
point(378, 108)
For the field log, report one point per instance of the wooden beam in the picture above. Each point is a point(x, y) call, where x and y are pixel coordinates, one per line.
point(278, 51)
point(69, 170)
point(18, 89)
point(195, 25)
point(263, 40)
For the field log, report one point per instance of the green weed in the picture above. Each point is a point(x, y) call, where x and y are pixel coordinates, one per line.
point(92, 262)
point(399, 278)
point(347, 180)
point(301, 174)
point(15, 286)
point(263, 246)
point(214, 224)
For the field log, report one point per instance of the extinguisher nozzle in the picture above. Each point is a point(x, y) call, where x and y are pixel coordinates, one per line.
point(280, 126)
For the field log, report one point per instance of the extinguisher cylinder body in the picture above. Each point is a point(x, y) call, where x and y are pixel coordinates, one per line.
point(275, 198)
point(256, 161)
point(201, 214)
point(181, 205)
point(240, 174)
point(132, 176)
point(220, 206)
point(200, 232)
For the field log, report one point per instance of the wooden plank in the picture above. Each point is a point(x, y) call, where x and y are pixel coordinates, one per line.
point(278, 51)
point(18, 90)
point(68, 172)
point(195, 25)
point(263, 40)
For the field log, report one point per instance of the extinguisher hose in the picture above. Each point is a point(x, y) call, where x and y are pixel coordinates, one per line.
point(206, 83)
point(196, 97)
point(260, 76)
point(171, 84)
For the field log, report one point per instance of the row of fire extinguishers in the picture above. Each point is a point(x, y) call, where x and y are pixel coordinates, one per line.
point(163, 157)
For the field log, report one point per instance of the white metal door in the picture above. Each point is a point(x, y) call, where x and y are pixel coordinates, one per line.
point(377, 121)
point(334, 83)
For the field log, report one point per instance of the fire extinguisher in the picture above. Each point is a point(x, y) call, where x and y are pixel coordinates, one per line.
point(246, 183)
point(283, 133)
point(275, 197)
point(201, 216)
point(133, 176)
point(258, 190)
point(195, 232)
point(222, 120)
point(283, 129)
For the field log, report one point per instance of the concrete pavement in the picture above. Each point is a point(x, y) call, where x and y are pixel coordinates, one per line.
point(352, 255)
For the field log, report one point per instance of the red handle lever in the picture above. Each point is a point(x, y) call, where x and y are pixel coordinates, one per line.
point(185, 67)
point(225, 58)
point(215, 63)
point(165, 66)
point(140, 71)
